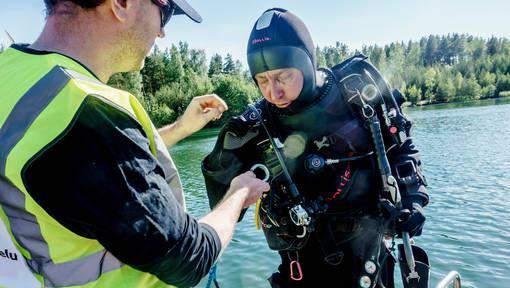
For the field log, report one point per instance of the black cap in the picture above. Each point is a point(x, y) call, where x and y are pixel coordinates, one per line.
point(182, 7)
point(279, 39)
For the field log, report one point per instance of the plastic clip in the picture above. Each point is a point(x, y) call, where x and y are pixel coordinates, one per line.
point(293, 276)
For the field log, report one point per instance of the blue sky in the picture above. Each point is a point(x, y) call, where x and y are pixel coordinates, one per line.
point(227, 23)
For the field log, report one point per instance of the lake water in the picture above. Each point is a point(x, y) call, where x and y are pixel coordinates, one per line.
point(465, 151)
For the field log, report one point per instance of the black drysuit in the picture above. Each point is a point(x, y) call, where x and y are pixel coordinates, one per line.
point(351, 230)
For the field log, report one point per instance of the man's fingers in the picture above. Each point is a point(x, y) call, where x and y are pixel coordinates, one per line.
point(262, 185)
point(211, 101)
point(212, 114)
point(250, 173)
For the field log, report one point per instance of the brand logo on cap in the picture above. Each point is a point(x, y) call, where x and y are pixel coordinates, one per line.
point(255, 41)
point(265, 20)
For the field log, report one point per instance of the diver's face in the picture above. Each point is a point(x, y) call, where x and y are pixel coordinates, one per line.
point(280, 87)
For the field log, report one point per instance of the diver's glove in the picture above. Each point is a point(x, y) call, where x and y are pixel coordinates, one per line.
point(217, 160)
point(411, 221)
point(236, 127)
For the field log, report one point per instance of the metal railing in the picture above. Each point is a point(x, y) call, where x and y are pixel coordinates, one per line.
point(452, 278)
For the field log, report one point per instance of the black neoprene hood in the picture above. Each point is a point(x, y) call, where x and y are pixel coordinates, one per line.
point(279, 39)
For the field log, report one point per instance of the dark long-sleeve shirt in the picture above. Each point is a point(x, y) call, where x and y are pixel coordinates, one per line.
point(101, 181)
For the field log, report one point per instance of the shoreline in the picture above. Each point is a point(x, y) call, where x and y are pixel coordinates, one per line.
point(470, 103)
point(212, 131)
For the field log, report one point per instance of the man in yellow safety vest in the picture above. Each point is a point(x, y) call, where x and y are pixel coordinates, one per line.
point(88, 192)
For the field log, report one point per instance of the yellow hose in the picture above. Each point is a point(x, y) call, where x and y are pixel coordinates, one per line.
point(257, 217)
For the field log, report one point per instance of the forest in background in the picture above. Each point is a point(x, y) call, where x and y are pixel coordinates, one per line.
point(435, 69)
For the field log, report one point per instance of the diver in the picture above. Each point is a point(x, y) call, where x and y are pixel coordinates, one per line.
point(310, 137)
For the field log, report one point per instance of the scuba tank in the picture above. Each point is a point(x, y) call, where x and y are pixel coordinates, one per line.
point(370, 96)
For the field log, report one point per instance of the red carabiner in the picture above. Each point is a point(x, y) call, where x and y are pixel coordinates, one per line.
point(300, 272)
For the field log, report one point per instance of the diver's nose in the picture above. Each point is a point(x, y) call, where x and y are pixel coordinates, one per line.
point(276, 91)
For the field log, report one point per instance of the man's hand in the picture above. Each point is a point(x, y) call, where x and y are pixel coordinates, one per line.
point(250, 185)
point(411, 221)
point(245, 190)
point(200, 111)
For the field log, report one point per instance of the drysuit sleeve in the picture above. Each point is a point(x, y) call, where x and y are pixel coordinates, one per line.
point(408, 170)
point(101, 181)
point(231, 156)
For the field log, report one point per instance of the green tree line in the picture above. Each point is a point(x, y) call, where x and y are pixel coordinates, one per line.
point(172, 77)
point(438, 69)
point(434, 69)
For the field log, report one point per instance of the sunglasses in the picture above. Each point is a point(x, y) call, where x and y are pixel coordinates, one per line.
point(167, 9)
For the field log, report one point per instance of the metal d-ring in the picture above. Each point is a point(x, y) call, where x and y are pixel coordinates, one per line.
point(368, 111)
point(263, 168)
point(302, 235)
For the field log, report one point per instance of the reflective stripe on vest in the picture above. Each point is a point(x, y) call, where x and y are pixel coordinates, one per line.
point(27, 109)
point(24, 225)
point(13, 200)
point(77, 272)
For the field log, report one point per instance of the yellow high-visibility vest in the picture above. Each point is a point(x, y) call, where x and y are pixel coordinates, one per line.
point(39, 97)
